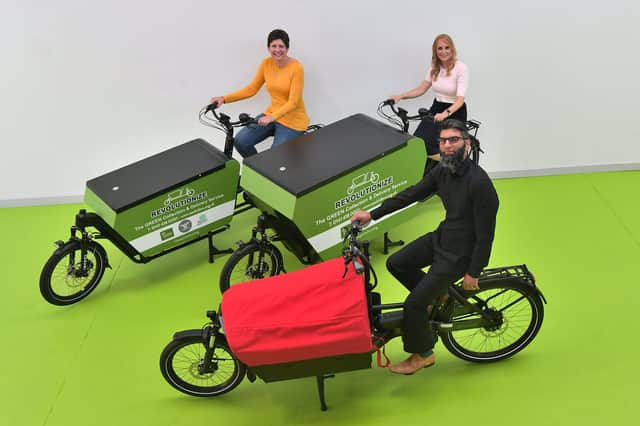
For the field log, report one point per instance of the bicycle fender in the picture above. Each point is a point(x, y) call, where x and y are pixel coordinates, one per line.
point(60, 246)
point(537, 289)
point(525, 283)
point(103, 252)
point(196, 332)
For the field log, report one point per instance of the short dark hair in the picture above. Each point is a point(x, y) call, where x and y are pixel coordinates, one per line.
point(278, 35)
point(452, 123)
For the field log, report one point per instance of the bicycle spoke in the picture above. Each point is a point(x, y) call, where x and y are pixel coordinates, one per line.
point(515, 317)
point(187, 360)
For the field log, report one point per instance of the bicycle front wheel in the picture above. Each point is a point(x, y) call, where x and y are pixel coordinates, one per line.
point(66, 278)
point(181, 361)
point(516, 312)
point(251, 262)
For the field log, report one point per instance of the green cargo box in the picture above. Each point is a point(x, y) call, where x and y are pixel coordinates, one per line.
point(319, 179)
point(168, 199)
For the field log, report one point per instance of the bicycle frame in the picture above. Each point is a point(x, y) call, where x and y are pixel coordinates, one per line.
point(84, 220)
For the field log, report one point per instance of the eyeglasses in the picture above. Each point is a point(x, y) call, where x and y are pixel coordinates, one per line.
point(451, 140)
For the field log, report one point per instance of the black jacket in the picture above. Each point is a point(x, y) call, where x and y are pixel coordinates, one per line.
point(471, 203)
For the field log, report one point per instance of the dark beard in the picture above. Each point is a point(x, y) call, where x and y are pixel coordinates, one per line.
point(453, 161)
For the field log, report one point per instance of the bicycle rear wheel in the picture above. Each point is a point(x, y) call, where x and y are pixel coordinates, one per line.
point(516, 311)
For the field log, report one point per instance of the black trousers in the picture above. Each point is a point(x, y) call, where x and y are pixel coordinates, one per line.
point(406, 265)
point(429, 131)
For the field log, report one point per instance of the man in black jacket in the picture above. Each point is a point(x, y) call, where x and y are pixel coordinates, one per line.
point(459, 247)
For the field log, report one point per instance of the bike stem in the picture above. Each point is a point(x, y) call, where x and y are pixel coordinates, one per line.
point(229, 139)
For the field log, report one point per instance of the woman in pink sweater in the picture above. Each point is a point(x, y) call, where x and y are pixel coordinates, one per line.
point(449, 79)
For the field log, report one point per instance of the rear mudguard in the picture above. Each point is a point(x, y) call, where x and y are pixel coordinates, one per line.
point(515, 273)
point(527, 283)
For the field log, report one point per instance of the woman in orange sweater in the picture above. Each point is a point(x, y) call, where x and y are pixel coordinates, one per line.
point(286, 117)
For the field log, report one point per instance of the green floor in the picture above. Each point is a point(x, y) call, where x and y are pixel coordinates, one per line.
point(96, 363)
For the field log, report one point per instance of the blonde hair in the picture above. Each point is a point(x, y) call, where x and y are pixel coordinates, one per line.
point(436, 65)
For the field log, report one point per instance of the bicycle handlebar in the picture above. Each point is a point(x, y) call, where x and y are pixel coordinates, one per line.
point(212, 106)
point(358, 256)
point(402, 114)
point(243, 118)
point(222, 122)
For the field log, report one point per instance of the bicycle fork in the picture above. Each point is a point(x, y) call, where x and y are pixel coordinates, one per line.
point(209, 336)
point(85, 266)
point(261, 239)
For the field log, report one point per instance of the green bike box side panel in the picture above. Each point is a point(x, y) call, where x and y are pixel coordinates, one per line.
point(167, 199)
point(319, 179)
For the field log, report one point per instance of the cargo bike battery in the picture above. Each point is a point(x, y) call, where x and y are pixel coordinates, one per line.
point(146, 209)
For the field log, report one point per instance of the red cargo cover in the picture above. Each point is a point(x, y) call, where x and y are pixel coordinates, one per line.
point(310, 313)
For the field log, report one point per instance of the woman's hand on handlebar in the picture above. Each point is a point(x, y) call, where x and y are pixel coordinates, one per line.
point(218, 100)
point(441, 116)
point(361, 216)
point(265, 120)
point(395, 98)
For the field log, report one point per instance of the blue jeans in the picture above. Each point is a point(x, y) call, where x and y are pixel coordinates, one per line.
point(253, 134)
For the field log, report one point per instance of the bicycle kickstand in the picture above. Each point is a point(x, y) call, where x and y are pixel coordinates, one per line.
point(213, 250)
point(388, 243)
point(320, 382)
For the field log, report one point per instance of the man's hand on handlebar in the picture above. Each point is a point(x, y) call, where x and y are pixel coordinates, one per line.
point(265, 120)
point(361, 216)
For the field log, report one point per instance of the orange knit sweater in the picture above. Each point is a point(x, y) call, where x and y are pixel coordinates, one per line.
point(285, 87)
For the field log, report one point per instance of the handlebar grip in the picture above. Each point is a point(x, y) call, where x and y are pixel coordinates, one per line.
point(389, 102)
point(212, 106)
point(244, 117)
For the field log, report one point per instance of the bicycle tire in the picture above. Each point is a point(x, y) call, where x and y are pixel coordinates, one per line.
point(521, 310)
point(179, 363)
point(261, 261)
point(76, 283)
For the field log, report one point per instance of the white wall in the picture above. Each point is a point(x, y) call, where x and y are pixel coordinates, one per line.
point(89, 86)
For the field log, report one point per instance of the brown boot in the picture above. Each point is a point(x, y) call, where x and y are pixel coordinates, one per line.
point(412, 364)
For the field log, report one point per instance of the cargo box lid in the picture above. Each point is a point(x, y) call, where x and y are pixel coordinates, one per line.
point(147, 178)
point(311, 160)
